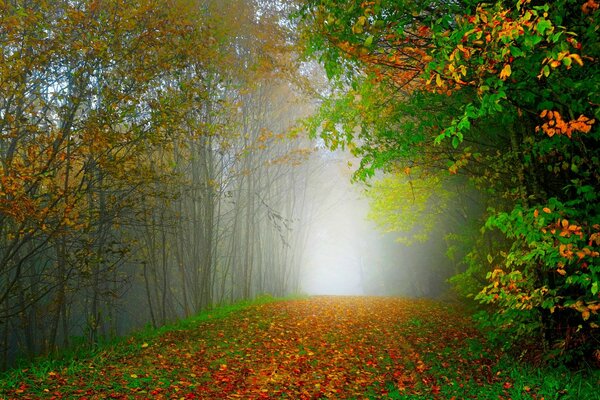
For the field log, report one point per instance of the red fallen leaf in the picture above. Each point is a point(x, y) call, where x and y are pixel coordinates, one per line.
point(347, 363)
point(21, 389)
point(507, 385)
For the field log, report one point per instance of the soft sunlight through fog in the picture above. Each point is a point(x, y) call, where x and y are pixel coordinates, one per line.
point(346, 254)
point(336, 249)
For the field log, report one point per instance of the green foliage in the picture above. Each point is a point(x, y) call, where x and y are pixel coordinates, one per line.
point(549, 278)
point(408, 204)
point(519, 94)
point(478, 252)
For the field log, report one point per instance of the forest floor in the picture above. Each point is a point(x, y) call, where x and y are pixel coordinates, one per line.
point(318, 347)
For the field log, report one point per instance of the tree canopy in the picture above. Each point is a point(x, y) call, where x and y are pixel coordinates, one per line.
point(504, 94)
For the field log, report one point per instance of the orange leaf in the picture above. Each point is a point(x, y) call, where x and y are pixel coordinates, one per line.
point(577, 59)
point(506, 71)
point(585, 315)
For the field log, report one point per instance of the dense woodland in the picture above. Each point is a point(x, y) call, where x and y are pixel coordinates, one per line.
point(157, 157)
point(147, 169)
point(483, 115)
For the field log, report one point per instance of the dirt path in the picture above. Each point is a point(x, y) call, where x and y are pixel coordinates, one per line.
point(321, 347)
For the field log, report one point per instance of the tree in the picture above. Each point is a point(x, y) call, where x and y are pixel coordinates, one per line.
point(516, 81)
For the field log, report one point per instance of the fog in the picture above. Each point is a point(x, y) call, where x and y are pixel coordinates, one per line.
point(334, 255)
point(345, 252)
point(167, 211)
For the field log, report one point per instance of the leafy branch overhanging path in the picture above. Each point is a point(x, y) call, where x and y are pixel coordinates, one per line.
point(320, 347)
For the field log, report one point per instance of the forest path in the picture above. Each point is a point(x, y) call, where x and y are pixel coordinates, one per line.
point(319, 347)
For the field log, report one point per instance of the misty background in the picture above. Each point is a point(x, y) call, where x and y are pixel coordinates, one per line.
point(346, 254)
point(146, 178)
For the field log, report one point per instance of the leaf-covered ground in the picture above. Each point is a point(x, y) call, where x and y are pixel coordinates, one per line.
point(320, 347)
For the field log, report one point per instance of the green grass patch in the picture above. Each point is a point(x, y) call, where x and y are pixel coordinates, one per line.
point(90, 361)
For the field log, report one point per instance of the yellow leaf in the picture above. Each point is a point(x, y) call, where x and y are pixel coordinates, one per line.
point(438, 80)
point(547, 210)
point(561, 271)
point(506, 71)
point(144, 345)
point(134, 376)
point(577, 59)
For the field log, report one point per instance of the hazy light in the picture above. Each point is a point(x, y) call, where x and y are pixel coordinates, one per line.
point(336, 251)
point(332, 267)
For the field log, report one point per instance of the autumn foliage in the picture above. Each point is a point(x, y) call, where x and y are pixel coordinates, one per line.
point(321, 347)
point(126, 128)
point(504, 94)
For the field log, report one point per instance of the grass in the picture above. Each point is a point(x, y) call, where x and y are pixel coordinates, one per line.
point(308, 348)
point(73, 361)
